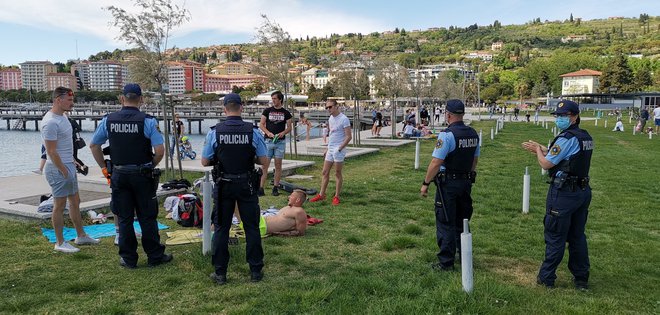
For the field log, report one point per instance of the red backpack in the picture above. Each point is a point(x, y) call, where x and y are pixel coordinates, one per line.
point(190, 210)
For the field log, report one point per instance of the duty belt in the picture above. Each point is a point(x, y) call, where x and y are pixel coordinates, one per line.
point(131, 168)
point(452, 175)
point(235, 176)
point(572, 182)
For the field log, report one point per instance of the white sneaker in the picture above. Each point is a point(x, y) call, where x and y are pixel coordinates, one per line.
point(38, 172)
point(86, 240)
point(65, 247)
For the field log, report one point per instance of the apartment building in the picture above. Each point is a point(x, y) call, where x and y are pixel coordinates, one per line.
point(10, 79)
point(224, 83)
point(315, 76)
point(54, 80)
point(232, 68)
point(185, 76)
point(107, 75)
point(33, 74)
point(82, 69)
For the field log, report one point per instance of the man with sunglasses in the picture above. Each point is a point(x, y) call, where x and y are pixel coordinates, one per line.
point(568, 160)
point(340, 136)
point(60, 170)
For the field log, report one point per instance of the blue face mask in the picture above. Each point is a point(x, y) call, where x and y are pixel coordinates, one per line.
point(563, 122)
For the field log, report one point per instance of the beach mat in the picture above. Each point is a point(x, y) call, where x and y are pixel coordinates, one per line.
point(180, 237)
point(95, 231)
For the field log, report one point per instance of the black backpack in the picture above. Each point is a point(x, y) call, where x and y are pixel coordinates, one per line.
point(190, 211)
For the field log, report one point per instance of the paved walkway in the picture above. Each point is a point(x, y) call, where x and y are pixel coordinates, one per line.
point(20, 194)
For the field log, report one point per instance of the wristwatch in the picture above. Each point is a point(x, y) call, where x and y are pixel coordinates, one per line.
point(425, 183)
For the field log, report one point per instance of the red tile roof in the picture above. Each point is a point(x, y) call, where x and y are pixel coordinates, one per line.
point(582, 73)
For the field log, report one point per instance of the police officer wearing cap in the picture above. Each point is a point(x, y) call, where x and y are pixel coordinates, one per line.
point(569, 196)
point(132, 135)
point(452, 169)
point(231, 147)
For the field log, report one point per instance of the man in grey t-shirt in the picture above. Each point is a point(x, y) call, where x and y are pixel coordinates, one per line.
point(60, 170)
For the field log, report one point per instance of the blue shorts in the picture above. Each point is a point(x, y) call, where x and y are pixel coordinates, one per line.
point(657, 122)
point(61, 186)
point(275, 150)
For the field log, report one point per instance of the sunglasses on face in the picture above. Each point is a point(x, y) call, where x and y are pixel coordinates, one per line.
point(328, 107)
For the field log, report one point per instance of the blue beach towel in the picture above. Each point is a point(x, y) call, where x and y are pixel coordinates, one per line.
point(95, 231)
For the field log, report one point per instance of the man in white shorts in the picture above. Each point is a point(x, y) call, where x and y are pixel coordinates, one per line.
point(340, 135)
point(60, 169)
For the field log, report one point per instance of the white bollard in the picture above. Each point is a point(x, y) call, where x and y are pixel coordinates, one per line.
point(553, 130)
point(417, 144)
point(207, 193)
point(606, 123)
point(650, 135)
point(481, 136)
point(596, 122)
point(466, 258)
point(526, 189)
point(492, 135)
point(635, 131)
point(496, 129)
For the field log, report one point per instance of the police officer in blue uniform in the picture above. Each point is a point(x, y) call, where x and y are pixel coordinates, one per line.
point(569, 196)
point(452, 169)
point(132, 135)
point(231, 147)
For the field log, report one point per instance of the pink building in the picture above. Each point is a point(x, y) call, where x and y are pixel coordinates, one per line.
point(224, 83)
point(10, 79)
point(54, 80)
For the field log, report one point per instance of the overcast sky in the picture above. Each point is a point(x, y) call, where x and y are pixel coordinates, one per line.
point(50, 29)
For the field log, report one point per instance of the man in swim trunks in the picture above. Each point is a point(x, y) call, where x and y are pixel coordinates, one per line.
point(289, 221)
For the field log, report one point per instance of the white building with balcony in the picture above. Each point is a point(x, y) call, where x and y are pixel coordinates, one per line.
point(582, 81)
point(33, 74)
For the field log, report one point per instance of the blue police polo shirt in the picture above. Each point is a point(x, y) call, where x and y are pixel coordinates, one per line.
point(446, 144)
point(562, 149)
point(150, 131)
point(210, 144)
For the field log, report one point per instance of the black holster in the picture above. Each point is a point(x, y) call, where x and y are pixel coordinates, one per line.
point(255, 177)
point(153, 174)
point(108, 166)
point(439, 180)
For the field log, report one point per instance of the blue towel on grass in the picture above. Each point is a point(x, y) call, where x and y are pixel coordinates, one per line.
point(95, 231)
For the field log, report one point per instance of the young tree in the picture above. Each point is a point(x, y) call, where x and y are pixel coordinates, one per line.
point(390, 81)
point(277, 42)
point(148, 31)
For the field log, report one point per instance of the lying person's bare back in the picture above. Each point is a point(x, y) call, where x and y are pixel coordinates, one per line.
point(290, 220)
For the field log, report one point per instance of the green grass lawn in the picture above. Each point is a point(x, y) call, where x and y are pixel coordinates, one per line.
point(373, 252)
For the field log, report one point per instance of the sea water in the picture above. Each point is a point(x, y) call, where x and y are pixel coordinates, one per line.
point(20, 151)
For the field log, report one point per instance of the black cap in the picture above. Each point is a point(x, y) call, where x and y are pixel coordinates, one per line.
point(232, 98)
point(132, 88)
point(565, 107)
point(456, 106)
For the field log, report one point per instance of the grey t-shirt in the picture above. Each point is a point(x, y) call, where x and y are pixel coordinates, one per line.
point(58, 128)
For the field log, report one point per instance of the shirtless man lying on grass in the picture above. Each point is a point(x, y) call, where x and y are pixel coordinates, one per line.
point(289, 221)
